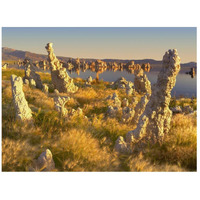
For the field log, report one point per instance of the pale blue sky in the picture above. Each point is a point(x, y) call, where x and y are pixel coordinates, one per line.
point(119, 43)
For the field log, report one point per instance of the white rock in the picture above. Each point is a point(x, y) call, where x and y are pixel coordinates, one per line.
point(45, 88)
point(23, 112)
point(32, 82)
point(60, 78)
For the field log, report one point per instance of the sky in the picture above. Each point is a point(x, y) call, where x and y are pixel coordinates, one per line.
point(102, 43)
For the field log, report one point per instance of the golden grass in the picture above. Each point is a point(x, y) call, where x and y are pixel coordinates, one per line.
point(16, 155)
point(81, 144)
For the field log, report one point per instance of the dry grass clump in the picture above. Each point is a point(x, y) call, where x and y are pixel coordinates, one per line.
point(180, 146)
point(77, 150)
point(109, 128)
point(140, 164)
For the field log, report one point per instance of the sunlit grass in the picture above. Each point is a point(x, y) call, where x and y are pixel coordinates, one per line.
point(87, 144)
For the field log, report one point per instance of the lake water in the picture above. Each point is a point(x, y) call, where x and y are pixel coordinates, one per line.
point(185, 85)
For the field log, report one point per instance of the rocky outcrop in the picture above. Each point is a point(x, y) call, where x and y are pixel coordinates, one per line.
point(59, 103)
point(154, 123)
point(60, 78)
point(23, 112)
point(191, 72)
point(120, 83)
point(141, 82)
point(130, 89)
point(31, 75)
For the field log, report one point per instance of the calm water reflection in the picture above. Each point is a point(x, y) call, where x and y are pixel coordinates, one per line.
point(185, 85)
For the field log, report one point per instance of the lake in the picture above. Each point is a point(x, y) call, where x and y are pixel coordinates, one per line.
point(185, 85)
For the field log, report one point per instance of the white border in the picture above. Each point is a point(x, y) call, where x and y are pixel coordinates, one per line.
point(104, 13)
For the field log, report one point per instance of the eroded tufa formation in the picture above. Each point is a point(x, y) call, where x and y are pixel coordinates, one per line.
point(60, 78)
point(31, 75)
point(154, 123)
point(23, 112)
point(141, 82)
point(59, 103)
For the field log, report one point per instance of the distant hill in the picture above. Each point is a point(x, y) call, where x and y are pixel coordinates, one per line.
point(15, 55)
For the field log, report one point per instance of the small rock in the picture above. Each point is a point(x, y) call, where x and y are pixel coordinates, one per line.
point(32, 82)
point(45, 88)
point(45, 161)
point(89, 79)
point(176, 109)
point(125, 102)
point(56, 92)
point(26, 81)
